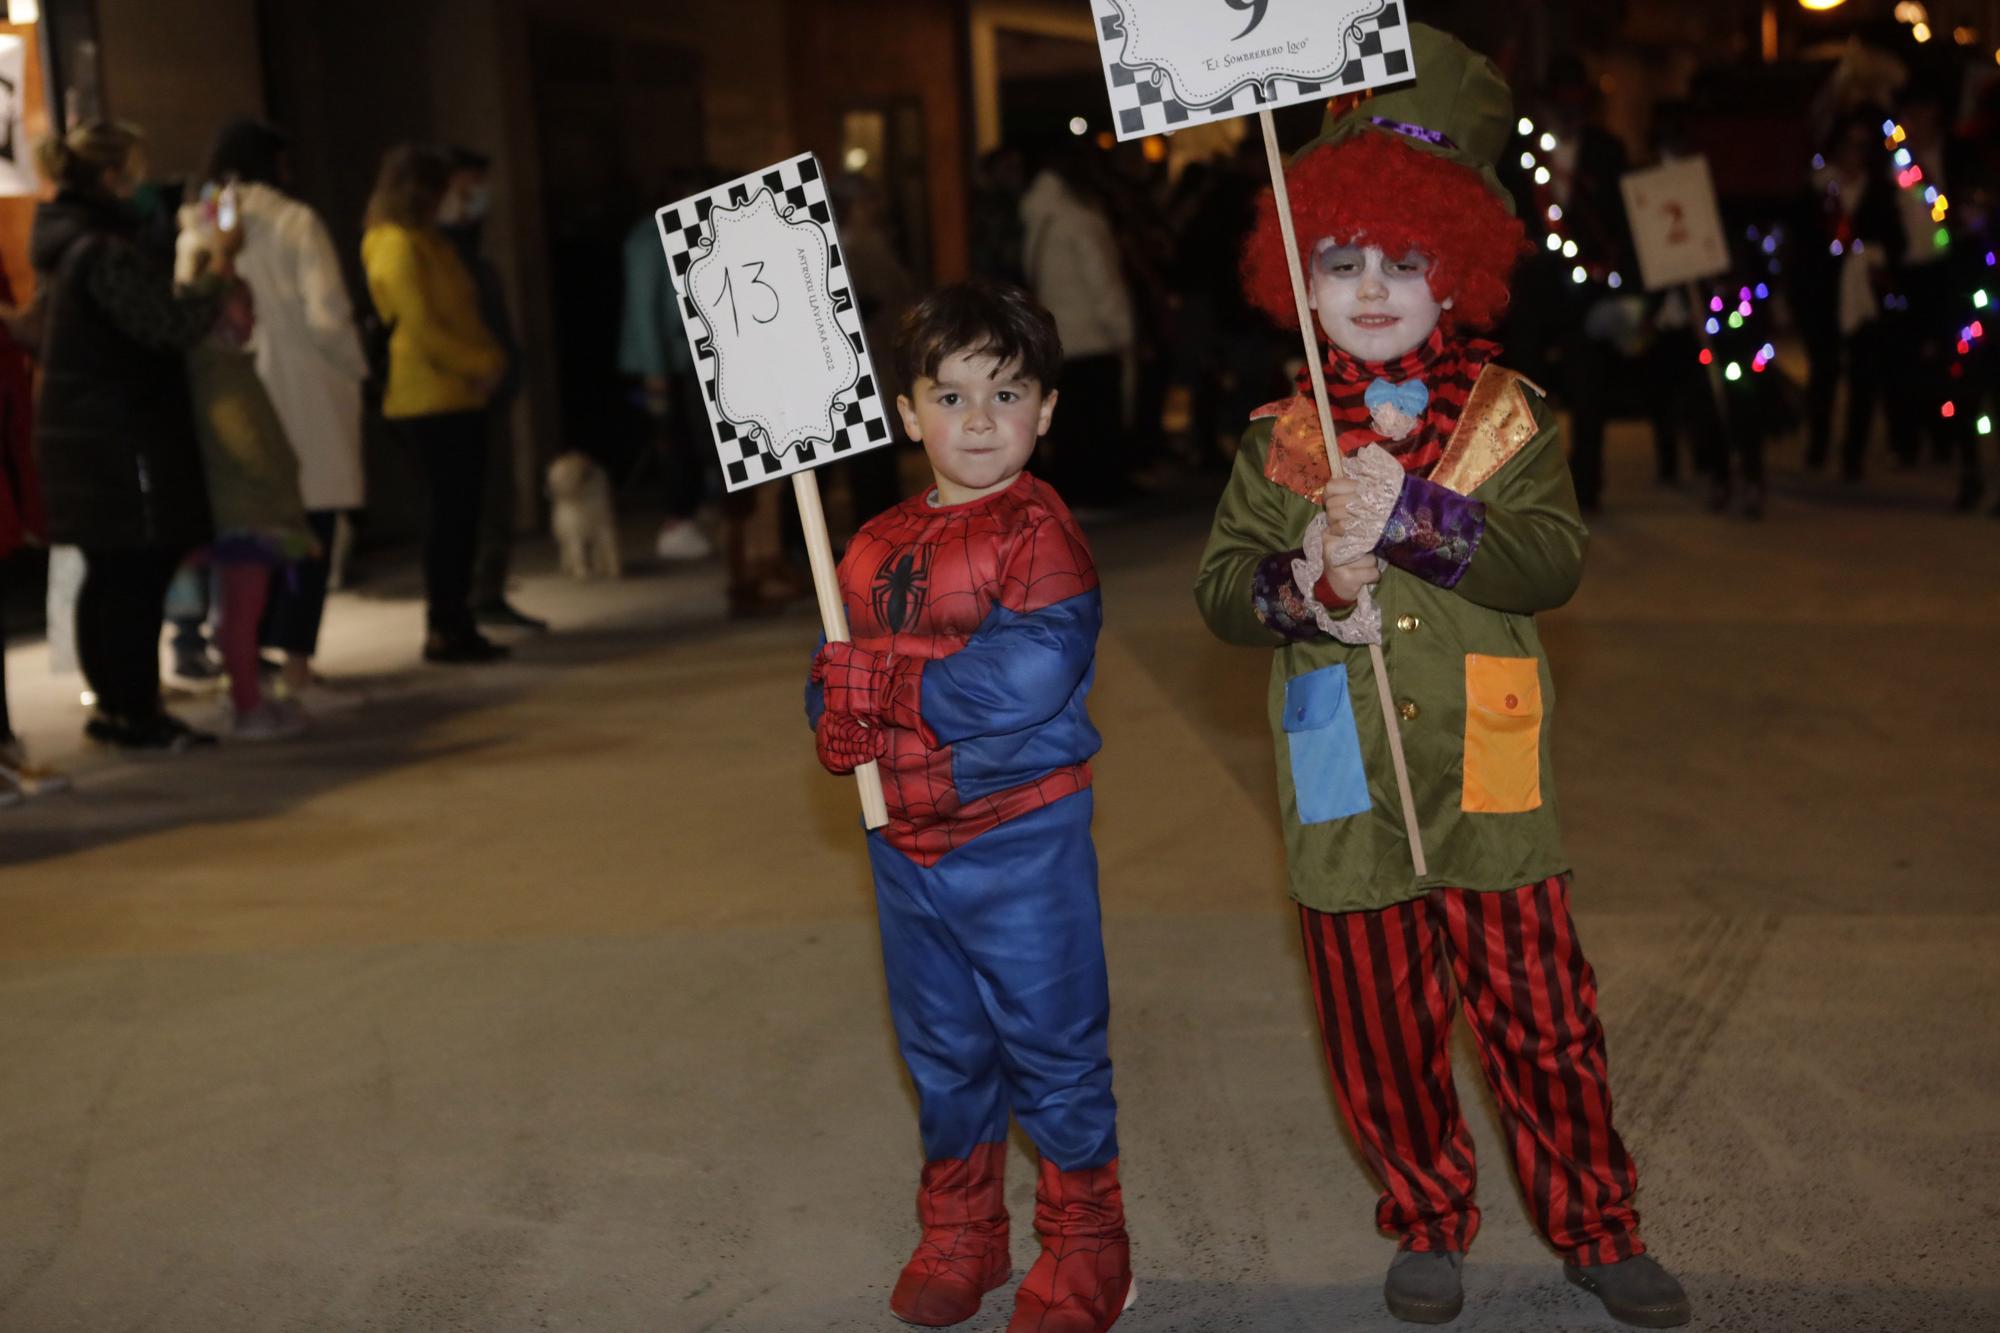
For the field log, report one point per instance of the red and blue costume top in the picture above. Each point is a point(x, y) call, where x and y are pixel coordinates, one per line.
point(991, 610)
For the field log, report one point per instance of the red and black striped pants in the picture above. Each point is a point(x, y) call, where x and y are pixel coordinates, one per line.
point(1383, 983)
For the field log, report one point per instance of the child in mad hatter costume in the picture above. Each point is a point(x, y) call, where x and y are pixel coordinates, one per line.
point(1454, 523)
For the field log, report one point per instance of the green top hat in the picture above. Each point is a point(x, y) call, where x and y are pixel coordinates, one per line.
point(1458, 108)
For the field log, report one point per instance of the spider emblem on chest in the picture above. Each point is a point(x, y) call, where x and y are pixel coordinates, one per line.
point(901, 587)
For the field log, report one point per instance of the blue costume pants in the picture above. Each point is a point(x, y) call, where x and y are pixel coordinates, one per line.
point(995, 959)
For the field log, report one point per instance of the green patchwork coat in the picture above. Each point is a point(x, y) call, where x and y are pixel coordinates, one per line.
point(1469, 686)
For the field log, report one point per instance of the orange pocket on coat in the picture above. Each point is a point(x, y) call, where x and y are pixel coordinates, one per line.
point(1503, 734)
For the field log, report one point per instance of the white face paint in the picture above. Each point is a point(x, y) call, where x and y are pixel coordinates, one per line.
point(1372, 307)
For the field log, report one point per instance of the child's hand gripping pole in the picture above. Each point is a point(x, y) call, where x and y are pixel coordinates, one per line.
point(833, 619)
point(1284, 200)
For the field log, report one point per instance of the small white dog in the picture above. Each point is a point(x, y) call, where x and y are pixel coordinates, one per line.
point(581, 517)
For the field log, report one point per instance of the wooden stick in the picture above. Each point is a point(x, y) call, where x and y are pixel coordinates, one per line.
point(1284, 198)
point(833, 618)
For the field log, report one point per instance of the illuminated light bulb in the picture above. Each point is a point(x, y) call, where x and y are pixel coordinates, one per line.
point(1902, 157)
point(1763, 292)
point(1744, 309)
point(1735, 320)
point(1733, 373)
point(1555, 212)
point(1742, 293)
point(1921, 31)
point(1569, 249)
point(1715, 304)
point(1770, 245)
point(1577, 275)
point(1525, 126)
point(1989, 259)
point(1615, 280)
point(1948, 411)
point(1548, 142)
point(1938, 210)
point(1963, 347)
point(1819, 163)
point(1964, 36)
point(1978, 329)
point(1757, 366)
point(1555, 242)
point(1836, 248)
point(1707, 357)
point(1713, 326)
point(1768, 352)
point(1930, 194)
point(1979, 299)
point(1079, 126)
point(1986, 425)
point(1541, 175)
point(1527, 161)
point(1941, 239)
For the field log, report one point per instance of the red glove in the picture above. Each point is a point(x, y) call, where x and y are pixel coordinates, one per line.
point(878, 686)
point(855, 680)
point(844, 743)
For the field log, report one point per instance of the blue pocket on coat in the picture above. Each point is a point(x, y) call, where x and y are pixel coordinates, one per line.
point(1328, 780)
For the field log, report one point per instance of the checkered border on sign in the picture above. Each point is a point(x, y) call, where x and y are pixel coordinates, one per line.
point(1378, 53)
point(863, 420)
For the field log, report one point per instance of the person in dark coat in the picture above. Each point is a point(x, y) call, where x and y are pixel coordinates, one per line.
point(114, 433)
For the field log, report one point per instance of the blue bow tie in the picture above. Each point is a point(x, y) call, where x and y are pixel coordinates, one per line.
point(1410, 397)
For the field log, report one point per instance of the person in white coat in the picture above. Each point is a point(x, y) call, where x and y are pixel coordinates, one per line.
point(309, 356)
point(1073, 265)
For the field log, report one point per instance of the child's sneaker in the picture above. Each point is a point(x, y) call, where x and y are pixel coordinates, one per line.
point(27, 777)
point(963, 1253)
point(268, 721)
point(320, 697)
point(1083, 1280)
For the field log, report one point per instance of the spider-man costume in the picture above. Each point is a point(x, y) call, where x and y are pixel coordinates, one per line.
point(974, 642)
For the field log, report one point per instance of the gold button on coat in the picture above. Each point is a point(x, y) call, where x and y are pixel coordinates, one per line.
point(1407, 623)
point(1408, 710)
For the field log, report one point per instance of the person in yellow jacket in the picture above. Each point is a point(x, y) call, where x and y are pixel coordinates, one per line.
point(444, 367)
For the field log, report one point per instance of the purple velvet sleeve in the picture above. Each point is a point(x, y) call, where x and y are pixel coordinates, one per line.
point(1275, 596)
point(1432, 532)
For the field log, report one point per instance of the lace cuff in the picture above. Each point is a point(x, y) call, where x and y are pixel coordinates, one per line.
point(1361, 622)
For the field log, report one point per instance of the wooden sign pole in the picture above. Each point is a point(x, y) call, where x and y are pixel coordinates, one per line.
point(1284, 199)
point(833, 619)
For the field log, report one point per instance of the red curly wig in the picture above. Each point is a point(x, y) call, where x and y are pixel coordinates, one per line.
point(1373, 189)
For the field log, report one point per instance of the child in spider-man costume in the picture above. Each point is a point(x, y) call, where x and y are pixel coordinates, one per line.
point(974, 613)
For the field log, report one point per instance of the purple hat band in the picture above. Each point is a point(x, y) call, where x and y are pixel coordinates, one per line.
point(1429, 136)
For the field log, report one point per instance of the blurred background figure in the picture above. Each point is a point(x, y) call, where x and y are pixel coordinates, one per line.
point(114, 433)
point(444, 368)
point(653, 353)
point(309, 358)
point(21, 525)
point(251, 471)
point(1847, 238)
point(885, 289)
point(1074, 267)
point(468, 199)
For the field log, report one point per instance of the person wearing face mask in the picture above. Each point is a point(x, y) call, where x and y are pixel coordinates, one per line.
point(114, 434)
point(1454, 521)
point(468, 200)
point(444, 368)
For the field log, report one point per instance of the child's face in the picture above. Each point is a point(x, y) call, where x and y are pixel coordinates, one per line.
point(1371, 306)
point(978, 422)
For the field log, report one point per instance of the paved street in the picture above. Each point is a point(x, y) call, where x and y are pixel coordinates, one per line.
point(547, 996)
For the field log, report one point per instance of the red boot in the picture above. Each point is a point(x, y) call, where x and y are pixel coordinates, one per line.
point(1083, 1280)
point(963, 1253)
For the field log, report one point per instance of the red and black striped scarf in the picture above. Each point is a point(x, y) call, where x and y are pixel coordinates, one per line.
point(1448, 366)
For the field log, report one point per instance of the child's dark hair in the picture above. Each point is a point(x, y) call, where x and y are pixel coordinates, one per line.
point(994, 319)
